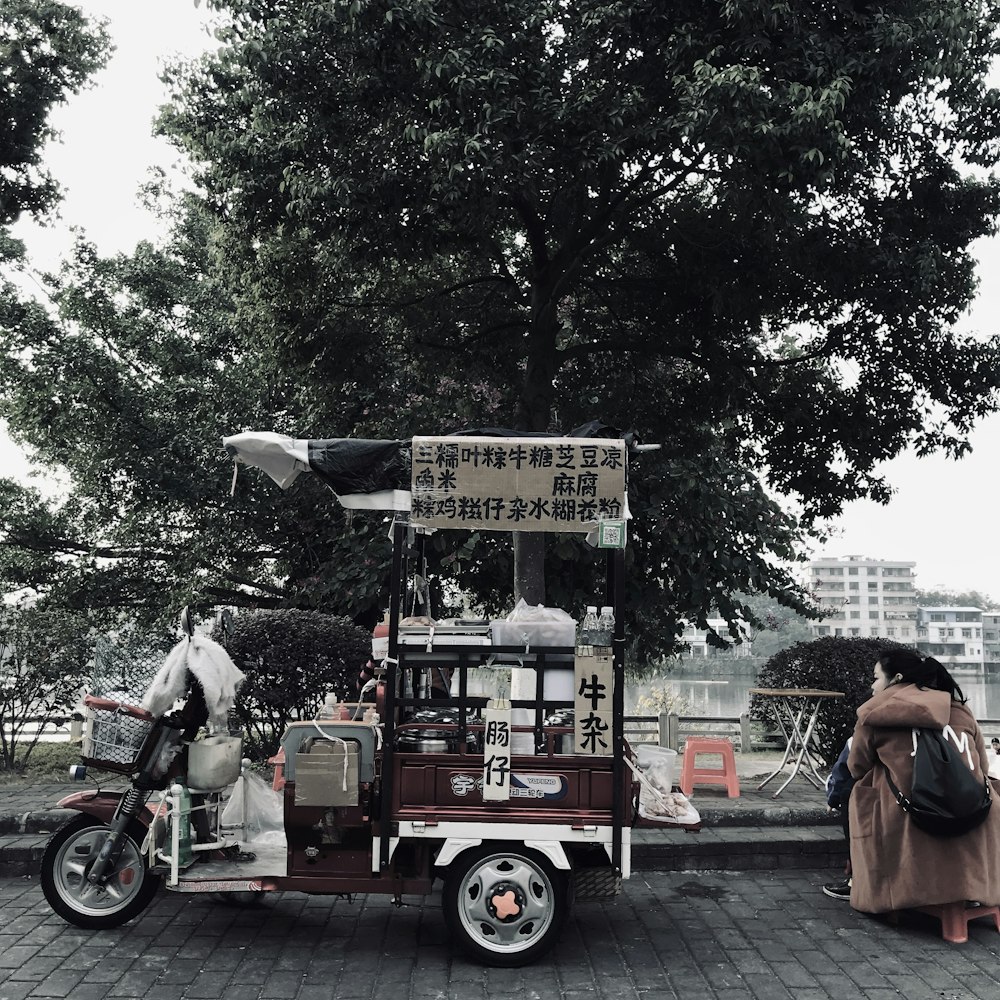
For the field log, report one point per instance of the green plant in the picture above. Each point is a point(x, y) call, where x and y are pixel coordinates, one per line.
point(829, 664)
point(292, 659)
point(43, 659)
point(662, 699)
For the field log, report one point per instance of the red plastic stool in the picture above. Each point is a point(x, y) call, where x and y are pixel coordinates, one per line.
point(692, 775)
point(955, 918)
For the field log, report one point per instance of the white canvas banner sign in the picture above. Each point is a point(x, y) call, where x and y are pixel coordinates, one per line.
point(517, 484)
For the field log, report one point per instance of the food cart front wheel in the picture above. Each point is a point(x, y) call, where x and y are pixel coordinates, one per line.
point(505, 904)
point(66, 862)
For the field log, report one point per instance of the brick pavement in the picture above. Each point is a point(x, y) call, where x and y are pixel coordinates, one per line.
point(759, 936)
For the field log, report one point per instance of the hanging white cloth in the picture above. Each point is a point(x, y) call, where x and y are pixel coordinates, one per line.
point(213, 668)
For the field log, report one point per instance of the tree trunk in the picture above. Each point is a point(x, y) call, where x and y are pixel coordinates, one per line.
point(534, 411)
point(529, 566)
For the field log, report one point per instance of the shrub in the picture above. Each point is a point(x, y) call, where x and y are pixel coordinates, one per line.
point(292, 660)
point(44, 656)
point(662, 698)
point(830, 664)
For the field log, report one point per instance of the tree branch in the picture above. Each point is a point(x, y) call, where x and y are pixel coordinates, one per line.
point(437, 293)
point(468, 342)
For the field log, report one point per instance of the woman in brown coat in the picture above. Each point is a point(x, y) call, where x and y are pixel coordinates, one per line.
point(895, 865)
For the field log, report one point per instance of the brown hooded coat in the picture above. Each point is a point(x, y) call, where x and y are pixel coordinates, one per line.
point(895, 865)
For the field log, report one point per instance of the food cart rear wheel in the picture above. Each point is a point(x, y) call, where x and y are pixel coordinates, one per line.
point(68, 858)
point(505, 904)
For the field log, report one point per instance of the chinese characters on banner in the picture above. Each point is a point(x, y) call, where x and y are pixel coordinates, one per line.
point(592, 732)
point(518, 484)
point(496, 754)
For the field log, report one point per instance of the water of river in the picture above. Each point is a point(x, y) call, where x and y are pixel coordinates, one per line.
point(709, 692)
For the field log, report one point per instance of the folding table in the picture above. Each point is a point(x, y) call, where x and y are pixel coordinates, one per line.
point(795, 710)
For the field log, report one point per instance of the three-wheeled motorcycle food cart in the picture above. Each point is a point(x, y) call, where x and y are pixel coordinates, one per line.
point(519, 805)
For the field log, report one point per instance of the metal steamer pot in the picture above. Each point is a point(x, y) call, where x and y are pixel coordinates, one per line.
point(434, 740)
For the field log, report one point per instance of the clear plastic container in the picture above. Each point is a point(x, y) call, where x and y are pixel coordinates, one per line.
point(588, 629)
point(605, 627)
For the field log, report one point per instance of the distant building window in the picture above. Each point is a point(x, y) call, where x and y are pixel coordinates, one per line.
point(938, 618)
point(873, 571)
point(872, 585)
point(890, 631)
point(906, 632)
point(852, 586)
point(873, 616)
point(855, 631)
point(966, 633)
point(855, 614)
point(838, 631)
point(873, 600)
point(852, 571)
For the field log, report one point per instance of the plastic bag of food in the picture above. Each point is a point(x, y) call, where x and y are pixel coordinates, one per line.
point(264, 820)
point(536, 625)
point(658, 801)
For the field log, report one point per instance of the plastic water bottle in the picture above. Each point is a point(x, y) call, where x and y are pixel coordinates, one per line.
point(588, 629)
point(330, 708)
point(605, 627)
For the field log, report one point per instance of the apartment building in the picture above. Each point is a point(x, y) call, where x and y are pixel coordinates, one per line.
point(696, 639)
point(991, 638)
point(952, 635)
point(865, 597)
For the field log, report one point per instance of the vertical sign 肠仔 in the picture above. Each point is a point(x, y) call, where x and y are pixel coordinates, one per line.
point(593, 703)
point(496, 752)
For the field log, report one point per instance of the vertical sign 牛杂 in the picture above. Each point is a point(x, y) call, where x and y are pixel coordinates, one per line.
point(496, 752)
point(593, 703)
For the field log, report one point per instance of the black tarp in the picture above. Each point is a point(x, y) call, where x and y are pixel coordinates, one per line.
point(357, 465)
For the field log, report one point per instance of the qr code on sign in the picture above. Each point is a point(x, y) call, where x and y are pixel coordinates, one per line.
point(613, 536)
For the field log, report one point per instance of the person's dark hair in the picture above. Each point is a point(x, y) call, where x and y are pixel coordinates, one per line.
point(924, 671)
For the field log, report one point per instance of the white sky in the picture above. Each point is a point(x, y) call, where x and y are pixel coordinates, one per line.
point(942, 515)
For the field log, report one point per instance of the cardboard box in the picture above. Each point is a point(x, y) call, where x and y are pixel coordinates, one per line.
point(319, 775)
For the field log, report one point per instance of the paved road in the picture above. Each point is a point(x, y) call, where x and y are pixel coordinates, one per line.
point(766, 935)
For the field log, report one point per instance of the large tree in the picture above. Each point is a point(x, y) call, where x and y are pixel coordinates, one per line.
point(140, 362)
point(740, 227)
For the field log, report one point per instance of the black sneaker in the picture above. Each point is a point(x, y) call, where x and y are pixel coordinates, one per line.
point(838, 890)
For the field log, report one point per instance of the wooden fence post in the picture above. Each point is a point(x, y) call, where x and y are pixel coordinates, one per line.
point(746, 737)
point(669, 730)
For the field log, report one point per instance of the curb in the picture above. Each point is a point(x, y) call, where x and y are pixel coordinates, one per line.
point(739, 849)
point(34, 821)
point(21, 856)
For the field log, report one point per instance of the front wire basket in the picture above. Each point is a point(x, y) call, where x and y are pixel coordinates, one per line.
point(114, 734)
